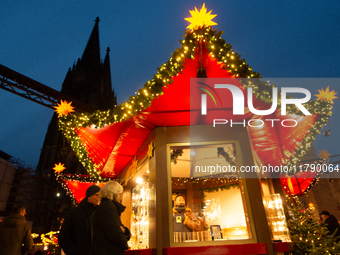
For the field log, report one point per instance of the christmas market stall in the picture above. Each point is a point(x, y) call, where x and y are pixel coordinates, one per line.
point(187, 159)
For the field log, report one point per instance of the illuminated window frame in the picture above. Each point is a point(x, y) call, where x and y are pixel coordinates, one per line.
point(252, 233)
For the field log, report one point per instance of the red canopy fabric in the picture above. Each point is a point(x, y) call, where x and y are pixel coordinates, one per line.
point(112, 147)
point(276, 144)
point(78, 188)
point(297, 184)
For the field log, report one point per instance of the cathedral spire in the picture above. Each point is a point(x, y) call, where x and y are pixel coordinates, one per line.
point(91, 55)
point(111, 100)
point(90, 79)
point(106, 65)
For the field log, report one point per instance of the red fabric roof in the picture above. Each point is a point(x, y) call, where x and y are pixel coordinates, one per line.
point(112, 147)
point(78, 188)
point(297, 184)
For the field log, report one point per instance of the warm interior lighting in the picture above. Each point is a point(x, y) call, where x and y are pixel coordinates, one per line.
point(139, 180)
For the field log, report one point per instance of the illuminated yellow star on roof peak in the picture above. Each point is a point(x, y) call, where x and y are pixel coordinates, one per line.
point(64, 108)
point(326, 95)
point(200, 18)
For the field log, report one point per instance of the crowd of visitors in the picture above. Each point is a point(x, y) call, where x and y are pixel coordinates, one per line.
point(92, 228)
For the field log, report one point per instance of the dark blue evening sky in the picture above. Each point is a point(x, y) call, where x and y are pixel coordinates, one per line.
point(42, 39)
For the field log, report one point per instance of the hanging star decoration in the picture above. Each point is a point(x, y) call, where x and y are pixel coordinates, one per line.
point(200, 18)
point(150, 150)
point(324, 154)
point(59, 168)
point(326, 95)
point(64, 108)
point(131, 170)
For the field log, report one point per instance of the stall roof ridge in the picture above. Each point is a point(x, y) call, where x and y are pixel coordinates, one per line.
point(154, 102)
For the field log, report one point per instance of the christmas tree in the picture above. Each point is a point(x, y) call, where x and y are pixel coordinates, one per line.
point(310, 236)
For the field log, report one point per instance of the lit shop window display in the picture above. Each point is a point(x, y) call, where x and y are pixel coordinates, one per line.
point(207, 205)
point(140, 214)
point(276, 218)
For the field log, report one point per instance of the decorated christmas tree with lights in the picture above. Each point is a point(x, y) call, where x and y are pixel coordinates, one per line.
point(309, 235)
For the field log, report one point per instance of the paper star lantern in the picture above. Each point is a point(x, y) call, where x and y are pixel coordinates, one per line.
point(59, 168)
point(326, 95)
point(324, 154)
point(150, 150)
point(131, 170)
point(200, 18)
point(64, 108)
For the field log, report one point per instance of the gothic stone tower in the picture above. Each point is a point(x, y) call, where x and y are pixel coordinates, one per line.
point(89, 81)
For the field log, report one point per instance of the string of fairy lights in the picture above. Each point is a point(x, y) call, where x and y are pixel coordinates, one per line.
point(208, 185)
point(304, 168)
point(64, 178)
point(183, 181)
point(152, 89)
point(229, 60)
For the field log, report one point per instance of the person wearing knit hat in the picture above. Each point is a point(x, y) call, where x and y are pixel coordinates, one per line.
point(110, 236)
point(75, 235)
point(93, 190)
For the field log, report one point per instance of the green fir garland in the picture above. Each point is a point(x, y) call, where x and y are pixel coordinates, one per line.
point(153, 89)
point(217, 188)
point(175, 154)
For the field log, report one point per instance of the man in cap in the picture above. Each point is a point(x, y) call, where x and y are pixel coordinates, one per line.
point(184, 220)
point(75, 235)
point(331, 223)
point(180, 212)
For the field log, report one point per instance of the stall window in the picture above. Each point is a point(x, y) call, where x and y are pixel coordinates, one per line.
point(276, 218)
point(207, 194)
point(140, 210)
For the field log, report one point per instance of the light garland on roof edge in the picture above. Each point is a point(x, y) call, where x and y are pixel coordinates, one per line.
point(229, 60)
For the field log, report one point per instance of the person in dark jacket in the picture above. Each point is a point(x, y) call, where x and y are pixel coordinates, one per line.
point(331, 223)
point(75, 234)
point(110, 236)
point(15, 233)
